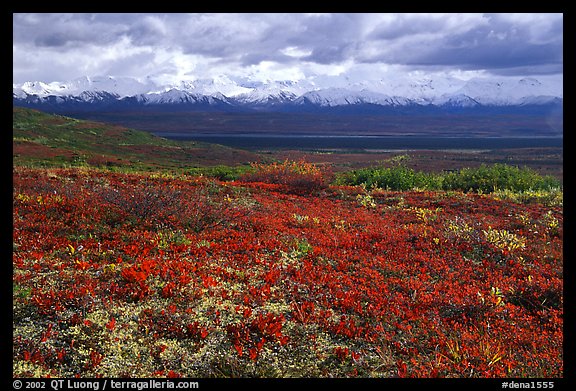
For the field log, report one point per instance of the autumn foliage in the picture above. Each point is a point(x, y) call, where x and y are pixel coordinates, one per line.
point(296, 177)
point(279, 275)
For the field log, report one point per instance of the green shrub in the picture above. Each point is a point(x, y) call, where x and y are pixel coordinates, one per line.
point(394, 178)
point(496, 177)
point(223, 173)
point(485, 179)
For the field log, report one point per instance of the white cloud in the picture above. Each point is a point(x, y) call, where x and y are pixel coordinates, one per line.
point(172, 47)
point(295, 51)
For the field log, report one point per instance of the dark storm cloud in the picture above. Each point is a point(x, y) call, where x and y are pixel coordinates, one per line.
point(405, 25)
point(497, 55)
point(330, 39)
point(58, 30)
point(330, 54)
point(263, 37)
point(500, 44)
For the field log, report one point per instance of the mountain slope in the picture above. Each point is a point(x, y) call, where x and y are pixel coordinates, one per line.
point(45, 139)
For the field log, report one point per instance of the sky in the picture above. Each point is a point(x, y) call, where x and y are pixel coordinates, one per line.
point(168, 48)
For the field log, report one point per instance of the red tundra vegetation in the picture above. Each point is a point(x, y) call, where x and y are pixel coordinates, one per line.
point(155, 275)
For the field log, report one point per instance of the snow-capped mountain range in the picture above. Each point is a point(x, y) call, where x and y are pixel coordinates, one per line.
point(239, 94)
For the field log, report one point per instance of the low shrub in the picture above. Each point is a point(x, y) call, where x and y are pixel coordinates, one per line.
point(297, 176)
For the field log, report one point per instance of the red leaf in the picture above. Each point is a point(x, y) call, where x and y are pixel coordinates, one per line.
point(61, 354)
point(110, 325)
point(402, 368)
point(238, 348)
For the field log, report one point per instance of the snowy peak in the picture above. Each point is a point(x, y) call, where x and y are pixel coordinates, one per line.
point(529, 81)
point(320, 91)
point(120, 86)
point(220, 85)
point(176, 96)
point(507, 92)
point(341, 97)
point(457, 100)
point(96, 96)
point(266, 96)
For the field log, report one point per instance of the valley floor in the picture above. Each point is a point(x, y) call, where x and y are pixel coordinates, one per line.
point(545, 161)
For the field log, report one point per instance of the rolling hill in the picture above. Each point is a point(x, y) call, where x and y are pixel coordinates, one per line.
point(42, 139)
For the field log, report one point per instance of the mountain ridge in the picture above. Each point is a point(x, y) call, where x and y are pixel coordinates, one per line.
point(226, 94)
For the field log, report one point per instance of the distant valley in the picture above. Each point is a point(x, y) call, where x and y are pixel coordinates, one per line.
point(454, 125)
